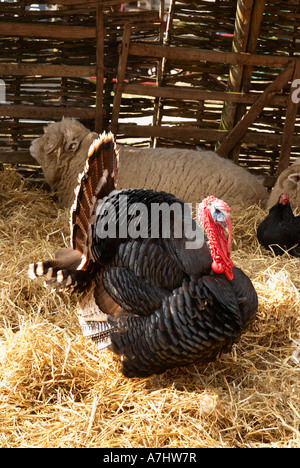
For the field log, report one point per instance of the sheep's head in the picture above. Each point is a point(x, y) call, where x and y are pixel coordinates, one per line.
point(289, 179)
point(62, 152)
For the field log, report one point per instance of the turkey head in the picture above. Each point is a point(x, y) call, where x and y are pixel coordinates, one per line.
point(214, 215)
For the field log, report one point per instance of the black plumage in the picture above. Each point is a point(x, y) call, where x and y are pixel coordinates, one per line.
point(155, 302)
point(280, 230)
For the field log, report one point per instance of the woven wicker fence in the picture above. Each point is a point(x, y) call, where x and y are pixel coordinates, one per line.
point(64, 62)
point(61, 61)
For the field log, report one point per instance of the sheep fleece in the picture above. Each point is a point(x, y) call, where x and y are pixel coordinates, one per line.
point(190, 175)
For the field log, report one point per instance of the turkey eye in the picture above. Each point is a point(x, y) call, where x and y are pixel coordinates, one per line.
point(217, 213)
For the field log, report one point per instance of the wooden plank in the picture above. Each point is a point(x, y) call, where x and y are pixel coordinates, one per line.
point(171, 132)
point(208, 135)
point(47, 31)
point(34, 112)
point(120, 78)
point(100, 70)
point(17, 157)
point(30, 69)
point(289, 125)
point(194, 94)
point(240, 129)
point(205, 55)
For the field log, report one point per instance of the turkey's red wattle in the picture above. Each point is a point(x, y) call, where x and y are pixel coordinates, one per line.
point(217, 267)
point(219, 245)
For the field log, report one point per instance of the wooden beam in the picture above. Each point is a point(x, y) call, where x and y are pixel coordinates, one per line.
point(205, 134)
point(17, 157)
point(240, 129)
point(204, 55)
point(172, 132)
point(240, 41)
point(194, 94)
point(47, 31)
point(100, 70)
point(120, 78)
point(30, 69)
point(289, 125)
point(45, 113)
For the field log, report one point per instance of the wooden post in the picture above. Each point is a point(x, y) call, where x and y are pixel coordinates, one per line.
point(247, 27)
point(240, 41)
point(240, 129)
point(120, 78)
point(159, 74)
point(256, 19)
point(289, 125)
point(158, 112)
point(100, 70)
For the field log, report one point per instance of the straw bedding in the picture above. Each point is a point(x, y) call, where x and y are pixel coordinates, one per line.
point(57, 391)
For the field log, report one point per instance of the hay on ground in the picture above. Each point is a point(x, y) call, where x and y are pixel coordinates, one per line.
point(57, 391)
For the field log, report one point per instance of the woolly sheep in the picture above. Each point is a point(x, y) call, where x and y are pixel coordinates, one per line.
point(191, 175)
point(289, 181)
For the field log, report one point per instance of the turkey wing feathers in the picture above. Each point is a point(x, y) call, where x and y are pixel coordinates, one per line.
point(181, 331)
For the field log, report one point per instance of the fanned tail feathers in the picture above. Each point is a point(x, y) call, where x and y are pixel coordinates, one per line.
point(96, 181)
point(62, 272)
point(73, 268)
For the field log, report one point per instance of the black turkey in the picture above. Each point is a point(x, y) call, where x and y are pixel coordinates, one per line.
point(160, 294)
point(280, 230)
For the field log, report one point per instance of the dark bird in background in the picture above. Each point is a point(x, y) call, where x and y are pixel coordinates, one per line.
point(280, 230)
point(151, 299)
